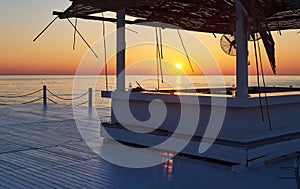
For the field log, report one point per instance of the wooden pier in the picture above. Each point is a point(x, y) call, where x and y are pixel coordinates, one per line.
point(42, 148)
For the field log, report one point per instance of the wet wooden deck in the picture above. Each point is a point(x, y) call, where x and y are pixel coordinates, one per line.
point(42, 148)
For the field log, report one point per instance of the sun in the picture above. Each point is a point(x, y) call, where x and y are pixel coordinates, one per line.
point(178, 66)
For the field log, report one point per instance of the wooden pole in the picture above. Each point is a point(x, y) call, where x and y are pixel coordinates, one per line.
point(90, 98)
point(242, 51)
point(45, 95)
point(121, 46)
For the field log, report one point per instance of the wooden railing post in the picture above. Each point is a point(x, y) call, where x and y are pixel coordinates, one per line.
point(45, 95)
point(90, 98)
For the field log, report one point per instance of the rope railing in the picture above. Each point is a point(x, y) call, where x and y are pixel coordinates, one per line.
point(67, 99)
point(51, 100)
point(29, 102)
point(22, 96)
point(45, 98)
point(54, 102)
point(32, 101)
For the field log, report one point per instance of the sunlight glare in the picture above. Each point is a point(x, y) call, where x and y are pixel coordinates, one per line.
point(179, 66)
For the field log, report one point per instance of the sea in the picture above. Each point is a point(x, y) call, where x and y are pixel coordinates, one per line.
point(67, 87)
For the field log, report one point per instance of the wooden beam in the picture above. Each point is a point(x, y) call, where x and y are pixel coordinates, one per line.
point(98, 18)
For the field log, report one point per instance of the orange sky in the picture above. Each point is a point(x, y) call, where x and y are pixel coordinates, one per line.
point(53, 54)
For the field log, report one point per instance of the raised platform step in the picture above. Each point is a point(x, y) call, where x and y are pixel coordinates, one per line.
point(248, 154)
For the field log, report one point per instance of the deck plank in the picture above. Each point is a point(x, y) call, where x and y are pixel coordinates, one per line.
point(42, 148)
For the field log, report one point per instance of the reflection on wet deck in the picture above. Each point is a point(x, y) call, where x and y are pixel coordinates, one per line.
point(42, 148)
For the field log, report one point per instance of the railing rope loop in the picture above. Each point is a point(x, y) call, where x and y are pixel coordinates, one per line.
point(82, 103)
point(51, 100)
point(44, 97)
point(21, 96)
point(75, 98)
point(32, 101)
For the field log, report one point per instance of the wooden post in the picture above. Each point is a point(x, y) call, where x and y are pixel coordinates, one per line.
point(121, 46)
point(90, 100)
point(45, 95)
point(242, 51)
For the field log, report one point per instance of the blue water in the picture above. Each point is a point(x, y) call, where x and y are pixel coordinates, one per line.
point(62, 85)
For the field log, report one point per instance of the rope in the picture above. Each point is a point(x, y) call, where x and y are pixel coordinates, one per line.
point(82, 103)
point(161, 56)
point(32, 101)
point(264, 83)
point(29, 102)
point(59, 97)
point(40, 34)
point(158, 58)
point(74, 35)
point(258, 82)
point(25, 95)
point(105, 52)
point(67, 104)
point(184, 48)
point(157, 70)
point(88, 45)
point(161, 43)
point(52, 100)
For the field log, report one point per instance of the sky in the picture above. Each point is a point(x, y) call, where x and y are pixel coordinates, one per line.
point(21, 21)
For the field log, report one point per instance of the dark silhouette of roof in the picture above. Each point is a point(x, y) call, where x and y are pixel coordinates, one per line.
point(216, 16)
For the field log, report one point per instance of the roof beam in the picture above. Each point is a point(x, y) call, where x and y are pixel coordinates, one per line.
point(114, 20)
point(98, 18)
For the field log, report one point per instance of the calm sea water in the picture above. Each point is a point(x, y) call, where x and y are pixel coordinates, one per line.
point(63, 85)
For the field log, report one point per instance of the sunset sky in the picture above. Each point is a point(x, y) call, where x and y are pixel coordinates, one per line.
point(21, 21)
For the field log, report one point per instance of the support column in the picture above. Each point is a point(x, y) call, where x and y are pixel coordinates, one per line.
point(241, 39)
point(121, 46)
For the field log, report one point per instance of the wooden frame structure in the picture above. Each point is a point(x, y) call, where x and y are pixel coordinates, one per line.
point(242, 126)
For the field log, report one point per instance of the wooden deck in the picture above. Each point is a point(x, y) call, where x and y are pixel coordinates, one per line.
point(42, 148)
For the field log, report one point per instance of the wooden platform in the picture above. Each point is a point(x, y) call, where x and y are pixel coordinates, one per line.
point(41, 148)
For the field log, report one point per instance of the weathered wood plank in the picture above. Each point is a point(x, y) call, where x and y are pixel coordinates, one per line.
point(271, 151)
point(51, 154)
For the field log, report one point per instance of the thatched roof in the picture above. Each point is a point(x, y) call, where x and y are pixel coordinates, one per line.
point(217, 16)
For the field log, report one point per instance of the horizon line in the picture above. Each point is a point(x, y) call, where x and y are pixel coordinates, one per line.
point(148, 74)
